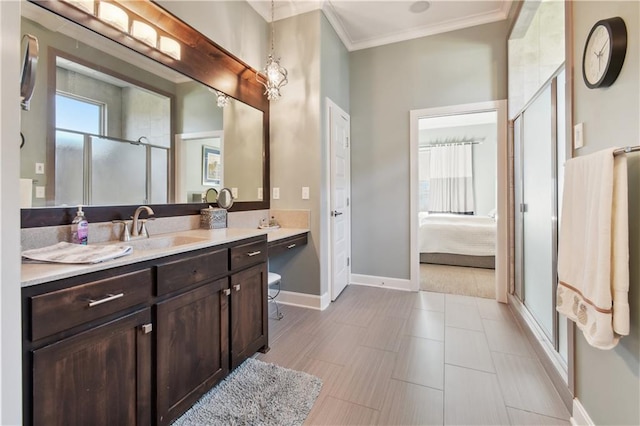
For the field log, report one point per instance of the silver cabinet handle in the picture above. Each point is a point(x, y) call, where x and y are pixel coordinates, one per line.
point(336, 213)
point(290, 246)
point(254, 253)
point(107, 298)
point(146, 328)
point(236, 287)
point(226, 291)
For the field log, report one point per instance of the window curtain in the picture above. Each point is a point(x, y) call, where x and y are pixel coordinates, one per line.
point(451, 179)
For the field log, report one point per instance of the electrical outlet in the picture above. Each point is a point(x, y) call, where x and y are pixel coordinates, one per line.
point(305, 192)
point(260, 193)
point(39, 168)
point(234, 192)
point(39, 191)
point(276, 193)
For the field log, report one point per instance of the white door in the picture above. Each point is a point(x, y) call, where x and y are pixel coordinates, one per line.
point(339, 124)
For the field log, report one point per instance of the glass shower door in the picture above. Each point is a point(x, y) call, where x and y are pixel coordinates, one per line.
point(538, 156)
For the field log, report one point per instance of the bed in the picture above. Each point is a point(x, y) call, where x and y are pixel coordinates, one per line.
point(460, 240)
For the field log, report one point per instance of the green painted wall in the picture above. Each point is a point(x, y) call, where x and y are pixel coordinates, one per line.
point(607, 382)
point(387, 82)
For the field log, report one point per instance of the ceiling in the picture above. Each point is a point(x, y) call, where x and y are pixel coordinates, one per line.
point(361, 24)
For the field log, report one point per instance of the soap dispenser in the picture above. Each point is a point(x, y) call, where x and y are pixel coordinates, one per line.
point(79, 228)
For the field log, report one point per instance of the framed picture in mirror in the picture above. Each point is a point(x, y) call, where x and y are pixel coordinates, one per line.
point(211, 166)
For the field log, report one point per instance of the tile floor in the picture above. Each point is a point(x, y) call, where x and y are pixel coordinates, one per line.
point(398, 358)
point(461, 280)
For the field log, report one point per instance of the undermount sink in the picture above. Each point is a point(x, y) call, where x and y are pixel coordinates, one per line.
point(155, 243)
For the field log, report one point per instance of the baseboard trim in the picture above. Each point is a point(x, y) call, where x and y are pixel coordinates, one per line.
point(580, 416)
point(303, 300)
point(374, 281)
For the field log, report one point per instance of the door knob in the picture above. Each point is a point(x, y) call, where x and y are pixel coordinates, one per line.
point(335, 213)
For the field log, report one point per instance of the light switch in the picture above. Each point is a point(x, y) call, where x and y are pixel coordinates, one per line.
point(305, 192)
point(39, 191)
point(578, 136)
point(234, 192)
point(39, 168)
point(260, 193)
point(276, 193)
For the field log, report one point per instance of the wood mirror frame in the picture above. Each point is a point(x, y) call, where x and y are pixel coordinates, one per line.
point(202, 60)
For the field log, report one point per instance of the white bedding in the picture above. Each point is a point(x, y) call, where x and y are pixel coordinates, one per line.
point(457, 234)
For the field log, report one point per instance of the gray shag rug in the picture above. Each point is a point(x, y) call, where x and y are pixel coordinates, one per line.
point(256, 393)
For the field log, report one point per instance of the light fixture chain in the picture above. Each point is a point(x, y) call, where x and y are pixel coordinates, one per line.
point(272, 27)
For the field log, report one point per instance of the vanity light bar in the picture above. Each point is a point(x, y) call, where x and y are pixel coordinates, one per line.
point(170, 47)
point(87, 6)
point(117, 17)
point(144, 32)
point(114, 16)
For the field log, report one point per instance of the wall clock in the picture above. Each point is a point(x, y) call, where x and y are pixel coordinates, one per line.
point(604, 52)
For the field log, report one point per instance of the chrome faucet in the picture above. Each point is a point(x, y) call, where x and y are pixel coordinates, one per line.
point(140, 231)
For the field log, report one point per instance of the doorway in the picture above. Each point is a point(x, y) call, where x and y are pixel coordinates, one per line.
point(459, 197)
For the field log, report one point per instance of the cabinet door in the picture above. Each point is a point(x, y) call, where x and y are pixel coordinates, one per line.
point(99, 377)
point(249, 323)
point(192, 347)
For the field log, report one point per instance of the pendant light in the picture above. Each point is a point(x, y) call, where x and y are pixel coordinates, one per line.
point(273, 76)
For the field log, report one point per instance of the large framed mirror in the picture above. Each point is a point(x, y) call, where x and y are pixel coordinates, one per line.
point(116, 122)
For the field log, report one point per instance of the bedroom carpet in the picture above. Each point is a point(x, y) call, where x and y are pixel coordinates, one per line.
point(461, 280)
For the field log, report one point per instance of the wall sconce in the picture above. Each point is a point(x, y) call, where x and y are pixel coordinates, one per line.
point(114, 16)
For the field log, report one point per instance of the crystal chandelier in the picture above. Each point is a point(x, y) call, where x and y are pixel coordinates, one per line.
point(222, 100)
point(273, 76)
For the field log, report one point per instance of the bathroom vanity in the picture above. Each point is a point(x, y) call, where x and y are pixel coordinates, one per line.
point(167, 328)
point(139, 339)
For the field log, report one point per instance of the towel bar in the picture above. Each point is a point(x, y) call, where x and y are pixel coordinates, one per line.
point(626, 150)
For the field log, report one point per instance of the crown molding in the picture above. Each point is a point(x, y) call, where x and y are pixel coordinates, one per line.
point(284, 9)
point(289, 8)
point(443, 27)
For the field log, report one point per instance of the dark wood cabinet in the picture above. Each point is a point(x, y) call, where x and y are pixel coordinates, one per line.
point(287, 244)
point(92, 342)
point(249, 321)
point(98, 377)
point(192, 347)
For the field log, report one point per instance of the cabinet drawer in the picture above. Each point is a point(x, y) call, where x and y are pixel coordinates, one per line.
point(63, 309)
point(182, 273)
point(287, 244)
point(248, 254)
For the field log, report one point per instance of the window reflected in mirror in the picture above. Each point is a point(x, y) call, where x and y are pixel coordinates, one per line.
point(111, 139)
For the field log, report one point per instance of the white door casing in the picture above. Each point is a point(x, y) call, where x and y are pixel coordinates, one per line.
point(339, 200)
point(502, 247)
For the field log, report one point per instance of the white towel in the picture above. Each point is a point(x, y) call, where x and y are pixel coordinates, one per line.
point(593, 252)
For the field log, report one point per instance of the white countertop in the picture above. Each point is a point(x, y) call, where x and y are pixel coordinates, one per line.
point(38, 273)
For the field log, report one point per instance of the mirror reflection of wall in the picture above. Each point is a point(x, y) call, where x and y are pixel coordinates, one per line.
point(243, 132)
point(239, 139)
